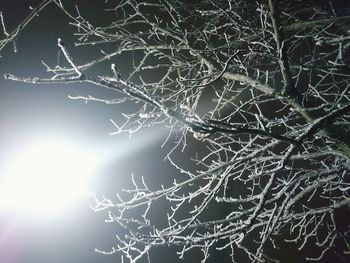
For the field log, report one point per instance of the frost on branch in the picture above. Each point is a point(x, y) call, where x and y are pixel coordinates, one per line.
point(261, 88)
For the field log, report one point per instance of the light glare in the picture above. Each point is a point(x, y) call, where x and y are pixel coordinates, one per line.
point(46, 178)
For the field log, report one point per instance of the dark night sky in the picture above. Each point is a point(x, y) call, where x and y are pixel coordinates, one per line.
point(31, 113)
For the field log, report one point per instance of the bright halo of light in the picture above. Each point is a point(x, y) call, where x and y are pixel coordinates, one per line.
point(46, 178)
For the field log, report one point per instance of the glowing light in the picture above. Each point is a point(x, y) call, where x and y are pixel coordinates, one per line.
point(46, 178)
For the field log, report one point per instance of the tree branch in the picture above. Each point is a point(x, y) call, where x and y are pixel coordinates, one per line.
point(289, 87)
point(11, 37)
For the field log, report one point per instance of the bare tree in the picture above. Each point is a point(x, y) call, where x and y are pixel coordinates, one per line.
point(261, 87)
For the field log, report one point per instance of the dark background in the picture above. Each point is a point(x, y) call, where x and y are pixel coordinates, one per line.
point(31, 112)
